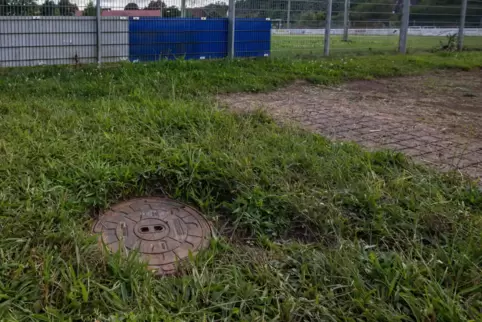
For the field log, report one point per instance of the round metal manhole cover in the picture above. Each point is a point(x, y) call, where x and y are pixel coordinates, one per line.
point(162, 230)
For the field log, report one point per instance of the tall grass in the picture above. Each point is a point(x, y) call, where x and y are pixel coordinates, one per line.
point(309, 229)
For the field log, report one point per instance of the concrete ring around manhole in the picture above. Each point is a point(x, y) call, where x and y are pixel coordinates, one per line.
point(162, 230)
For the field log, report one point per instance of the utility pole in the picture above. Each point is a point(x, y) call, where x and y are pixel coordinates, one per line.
point(346, 22)
point(183, 8)
point(402, 45)
point(288, 18)
point(326, 47)
point(98, 14)
point(463, 11)
point(231, 26)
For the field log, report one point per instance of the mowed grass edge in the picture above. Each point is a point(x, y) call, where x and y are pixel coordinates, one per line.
point(310, 230)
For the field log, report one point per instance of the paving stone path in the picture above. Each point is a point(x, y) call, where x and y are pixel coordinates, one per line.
point(446, 152)
point(329, 113)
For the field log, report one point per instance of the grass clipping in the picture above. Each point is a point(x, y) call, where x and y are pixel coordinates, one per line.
point(317, 230)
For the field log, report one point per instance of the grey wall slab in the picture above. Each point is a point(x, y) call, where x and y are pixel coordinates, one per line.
point(31, 41)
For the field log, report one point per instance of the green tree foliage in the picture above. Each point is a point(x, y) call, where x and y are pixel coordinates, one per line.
point(276, 9)
point(373, 13)
point(48, 8)
point(363, 13)
point(439, 13)
point(156, 5)
point(19, 7)
point(216, 10)
point(4, 7)
point(66, 8)
point(444, 13)
point(131, 6)
point(171, 12)
point(308, 14)
point(90, 9)
point(30, 8)
point(312, 19)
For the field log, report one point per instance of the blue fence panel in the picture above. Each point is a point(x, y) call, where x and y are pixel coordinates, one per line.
point(154, 38)
point(252, 37)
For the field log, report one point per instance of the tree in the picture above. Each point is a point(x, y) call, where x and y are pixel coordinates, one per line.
point(277, 9)
point(22, 8)
point(171, 12)
point(48, 8)
point(156, 5)
point(443, 13)
point(374, 13)
point(312, 19)
point(90, 9)
point(67, 8)
point(131, 6)
point(438, 13)
point(4, 8)
point(216, 10)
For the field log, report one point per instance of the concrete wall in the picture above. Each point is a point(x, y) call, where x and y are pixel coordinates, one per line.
point(382, 32)
point(32, 41)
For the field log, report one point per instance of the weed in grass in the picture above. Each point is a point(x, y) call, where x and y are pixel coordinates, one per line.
point(388, 240)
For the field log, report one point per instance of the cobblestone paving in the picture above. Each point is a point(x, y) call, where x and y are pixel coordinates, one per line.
point(325, 112)
point(446, 152)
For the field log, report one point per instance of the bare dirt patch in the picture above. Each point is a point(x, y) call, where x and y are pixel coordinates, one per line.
point(435, 118)
point(451, 102)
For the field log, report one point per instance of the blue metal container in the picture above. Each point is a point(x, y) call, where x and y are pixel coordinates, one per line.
point(155, 38)
point(252, 37)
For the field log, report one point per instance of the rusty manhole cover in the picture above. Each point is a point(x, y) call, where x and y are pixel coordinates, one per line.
point(162, 230)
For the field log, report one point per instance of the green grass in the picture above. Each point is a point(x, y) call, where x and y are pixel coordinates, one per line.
point(300, 45)
point(315, 230)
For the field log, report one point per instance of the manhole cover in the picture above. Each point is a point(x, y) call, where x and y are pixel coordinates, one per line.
point(162, 230)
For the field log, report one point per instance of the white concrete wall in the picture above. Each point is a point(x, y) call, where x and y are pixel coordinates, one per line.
point(418, 31)
point(32, 41)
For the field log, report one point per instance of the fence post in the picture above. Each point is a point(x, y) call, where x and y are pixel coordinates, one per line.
point(98, 14)
point(463, 11)
point(402, 44)
point(288, 18)
point(326, 47)
point(231, 28)
point(183, 8)
point(346, 22)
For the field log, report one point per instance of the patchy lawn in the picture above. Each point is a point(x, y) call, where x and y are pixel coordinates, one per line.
point(308, 229)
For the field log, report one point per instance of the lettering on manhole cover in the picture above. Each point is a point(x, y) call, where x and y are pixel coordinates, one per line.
point(162, 230)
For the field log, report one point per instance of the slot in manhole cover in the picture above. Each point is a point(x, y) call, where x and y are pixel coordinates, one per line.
point(162, 230)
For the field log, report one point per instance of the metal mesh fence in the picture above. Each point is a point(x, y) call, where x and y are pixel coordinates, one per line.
point(82, 31)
